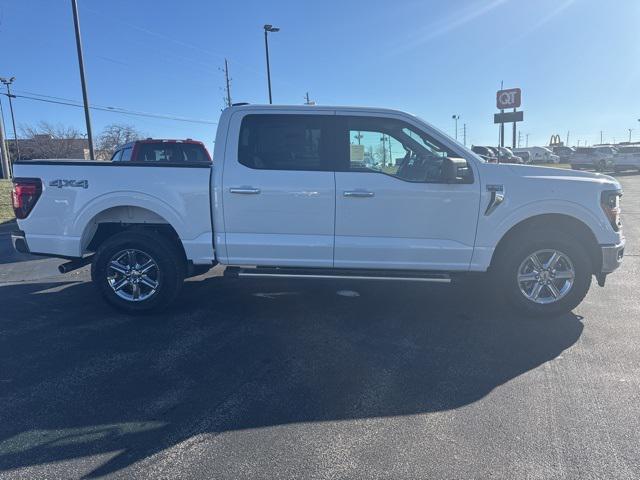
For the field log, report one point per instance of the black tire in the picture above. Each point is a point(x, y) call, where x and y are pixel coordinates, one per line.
point(520, 248)
point(169, 270)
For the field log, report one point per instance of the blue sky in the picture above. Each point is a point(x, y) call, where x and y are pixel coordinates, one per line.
point(577, 61)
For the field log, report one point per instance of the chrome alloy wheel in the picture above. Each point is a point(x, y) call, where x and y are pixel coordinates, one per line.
point(133, 275)
point(546, 276)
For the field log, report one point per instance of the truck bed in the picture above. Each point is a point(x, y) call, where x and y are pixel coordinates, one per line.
point(78, 195)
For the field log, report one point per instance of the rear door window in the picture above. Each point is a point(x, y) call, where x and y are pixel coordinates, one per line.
point(116, 156)
point(285, 142)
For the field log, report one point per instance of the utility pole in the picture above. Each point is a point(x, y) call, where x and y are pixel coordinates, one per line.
point(600, 137)
point(519, 138)
point(308, 101)
point(630, 130)
point(268, 28)
point(383, 139)
point(8, 82)
point(4, 151)
point(568, 138)
point(527, 140)
point(464, 134)
point(228, 83)
point(85, 95)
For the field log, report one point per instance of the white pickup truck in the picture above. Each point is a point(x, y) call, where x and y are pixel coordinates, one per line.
point(324, 192)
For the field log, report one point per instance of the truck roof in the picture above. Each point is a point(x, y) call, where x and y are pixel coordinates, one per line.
point(306, 108)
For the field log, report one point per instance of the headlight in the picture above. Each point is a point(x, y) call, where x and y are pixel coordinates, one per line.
point(610, 203)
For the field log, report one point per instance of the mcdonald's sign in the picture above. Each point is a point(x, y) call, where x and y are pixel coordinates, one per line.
point(555, 140)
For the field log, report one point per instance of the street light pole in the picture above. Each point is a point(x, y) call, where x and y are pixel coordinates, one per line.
point(456, 117)
point(8, 82)
point(85, 96)
point(268, 28)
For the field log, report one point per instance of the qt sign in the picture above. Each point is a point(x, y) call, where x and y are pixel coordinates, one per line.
point(508, 98)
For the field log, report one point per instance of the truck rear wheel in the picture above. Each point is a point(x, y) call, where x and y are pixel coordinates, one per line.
point(544, 274)
point(138, 272)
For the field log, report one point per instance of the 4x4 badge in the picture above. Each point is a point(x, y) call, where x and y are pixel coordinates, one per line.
point(69, 183)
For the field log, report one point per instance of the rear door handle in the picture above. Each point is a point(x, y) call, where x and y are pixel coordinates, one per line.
point(358, 194)
point(244, 190)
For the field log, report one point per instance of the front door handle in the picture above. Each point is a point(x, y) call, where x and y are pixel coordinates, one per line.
point(358, 194)
point(244, 190)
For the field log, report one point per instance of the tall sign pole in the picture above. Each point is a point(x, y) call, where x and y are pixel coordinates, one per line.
point(85, 96)
point(502, 124)
point(513, 142)
point(508, 99)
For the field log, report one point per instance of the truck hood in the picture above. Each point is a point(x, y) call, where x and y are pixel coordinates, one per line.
point(564, 174)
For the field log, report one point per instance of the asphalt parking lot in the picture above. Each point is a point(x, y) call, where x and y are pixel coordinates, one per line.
point(317, 379)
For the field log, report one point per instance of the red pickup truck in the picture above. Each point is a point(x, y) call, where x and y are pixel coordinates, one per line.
point(158, 150)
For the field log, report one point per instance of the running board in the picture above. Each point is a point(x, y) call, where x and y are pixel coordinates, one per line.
point(337, 274)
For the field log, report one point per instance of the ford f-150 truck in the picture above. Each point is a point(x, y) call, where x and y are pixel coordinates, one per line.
point(324, 192)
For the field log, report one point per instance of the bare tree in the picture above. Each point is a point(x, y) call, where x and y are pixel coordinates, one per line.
point(113, 136)
point(51, 141)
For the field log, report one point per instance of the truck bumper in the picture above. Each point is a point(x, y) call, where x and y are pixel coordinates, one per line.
point(19, 241)
point(612, 257)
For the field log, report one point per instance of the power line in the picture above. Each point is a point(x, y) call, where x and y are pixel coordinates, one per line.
point(104, 108)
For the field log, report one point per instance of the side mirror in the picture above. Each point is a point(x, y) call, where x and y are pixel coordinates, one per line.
point(455, 170)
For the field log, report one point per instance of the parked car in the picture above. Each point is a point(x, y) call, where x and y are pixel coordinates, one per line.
point(600, 158)
point(485, 152)
point(563, 152)
point(164, 151)
point(538, 154)
point(526, 158)
point(290, 197)
point(627, 158)
point(505, 155)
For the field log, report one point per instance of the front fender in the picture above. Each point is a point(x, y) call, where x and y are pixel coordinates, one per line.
point(492, 228)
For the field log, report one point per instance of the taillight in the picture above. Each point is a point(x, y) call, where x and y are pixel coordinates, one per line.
point(610, 203)
point(25, 194)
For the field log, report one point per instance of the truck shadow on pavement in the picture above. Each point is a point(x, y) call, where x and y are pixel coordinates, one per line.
point(79, 380)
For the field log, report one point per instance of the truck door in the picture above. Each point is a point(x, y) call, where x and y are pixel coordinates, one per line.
point(393, 210)
point(279, 190)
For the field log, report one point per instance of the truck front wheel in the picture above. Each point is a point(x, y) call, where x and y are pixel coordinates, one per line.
point(544, 274)
point(137, 272)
